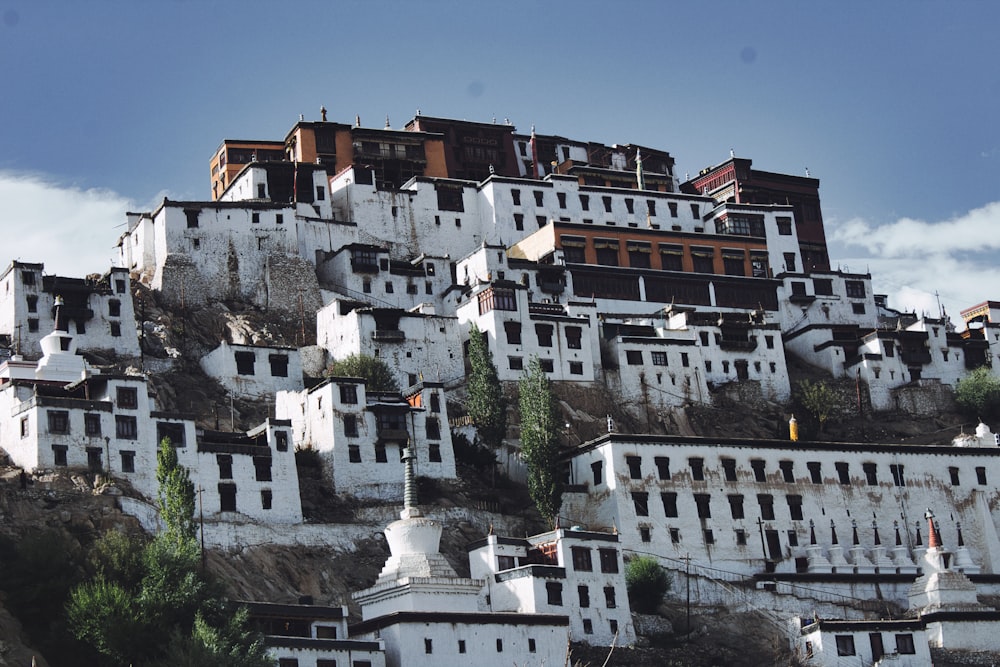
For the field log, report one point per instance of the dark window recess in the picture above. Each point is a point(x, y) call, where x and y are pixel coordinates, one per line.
point(227, 497)
point(281, 441)
point(553, 591)
point(610, 600)
point(709, 536)
point(128, 461)
point(433, 428)
point(634, 464)
point(609, 560)
point(262, 468)
point(697, 469)
point(669, 500)
point(279, 365)
point(547, 365)
point(736, 506)
point(871, 473)
point(58, 421)
point(349, 394)
point(114, 308)
point(513, 332)
point(897, 474)
point(766, 502)
point(703, 500)
point(644, 534)
point(354, 453)
point(434, 452)
point(544, 334)
point(173, 431)
point(633, 357)
point(662, 467)
point(843, 473)
point(59, 455)
point(583, 593)
point(94, 458)
point(574, 337)
point(953, 473)
point(245, 362)
point(794, 507)
point(126, 428)
point(597, 470)
point(786, 471)
point(757, 465)
point(128, 398)
point(92, 424)
point(855, 289)
point(981, 475)
point(265, 499)
point(814, 472)
point(729, 469)
point(640, 500)
point(225, 462)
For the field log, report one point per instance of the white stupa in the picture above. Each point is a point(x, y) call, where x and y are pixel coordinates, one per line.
point(60, 362)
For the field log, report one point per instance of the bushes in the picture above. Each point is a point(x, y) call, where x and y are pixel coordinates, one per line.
point(647, 583)
point(978, 394)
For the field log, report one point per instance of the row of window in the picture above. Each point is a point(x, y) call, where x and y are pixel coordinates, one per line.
point(708, 535)
point(60, 457)
point(227, 497)
point(544, 334)
point(671, 257)
point(765, 501)
point(462, 647)
point(246, 363)
point(845, 645)
point(126, 426)
point(607, 202)
point(785, 466)
point(114, 328)
point(547, 365)
point(382, 456)
point(554, 595)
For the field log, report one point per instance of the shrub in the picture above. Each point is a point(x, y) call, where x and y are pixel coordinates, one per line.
point(647, 583)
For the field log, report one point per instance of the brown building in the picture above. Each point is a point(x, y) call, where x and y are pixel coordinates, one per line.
point(472, 151)
point(234, 154)
point(735, 181)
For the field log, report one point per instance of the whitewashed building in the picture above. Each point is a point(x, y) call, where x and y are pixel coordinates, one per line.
point(254, 370)
point(575, 572)
point(360, 435)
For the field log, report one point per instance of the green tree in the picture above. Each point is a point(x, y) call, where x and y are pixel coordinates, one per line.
point(540, 439)
point(647, 583)
point(175, 495)
point(978, 394)
point(819, 399)
point(485, 402)
point(374, 371)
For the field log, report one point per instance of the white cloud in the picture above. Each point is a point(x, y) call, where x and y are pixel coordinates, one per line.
point(918, 263)
point(71, 230)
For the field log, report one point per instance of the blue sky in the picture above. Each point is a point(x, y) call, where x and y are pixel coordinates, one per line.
point(893, 105)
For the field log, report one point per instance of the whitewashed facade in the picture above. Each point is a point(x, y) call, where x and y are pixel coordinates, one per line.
point(254, 370)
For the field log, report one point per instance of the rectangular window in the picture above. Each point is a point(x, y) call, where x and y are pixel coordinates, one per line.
point(703, 260)
point(633, 357)
point(281, 441)
point(736, 506)
point(757, 465)
point(606, 251)
point(695, 213)
point(92, 424)
point(539, 197)
point(842, 472)
point(576, 368)
point(609, 560)
point(659, 358)
point(644, 534)
point(546, 365)
point(845, 644)
point(553, 591)
point(574, 338)
point(634, 464)
point(25, 428)
point(515, 363)
point(584, 595)
point(581, 559)
point(703, 500)
point(610, 600)
point(127, 398)
point(172, 431)
point(871, 473)
point(981, 475)
point(114, 308)
point(128, 461)
point(434, 452)
point(265, 499)
point(544, 334)
point(597, 470)
point(279, 365)
point(675, 535)
point(741, 537)
point(348, 394)
point(709, 536)
point(733, 264)
point(245, 362)
point(669, 500)
point(784, 226)
point(59, 455)
point(793, 538)
point(58, 421)
point(823, 286)
point(515, 196)
point(766, 502)
point(227, 497)
point(662, 466)
point(697, 469)
point(855, 289)
point(786, 471)
point(513, 332)
point(262, 468)
point(953, 473)
point(729, 469)
point(126, 428)
point(897, 474)
point(640, 501)
point(225, 462)
point(789, 258)
point(814, 472)
point(354, 453)
point(904, 644)
point(428, 645)
point(794, 507)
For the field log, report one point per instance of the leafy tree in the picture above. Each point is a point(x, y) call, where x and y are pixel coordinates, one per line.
point(374, 371)
point(176, 494)
point(485, 402)
point(208, 645)
point(978, 394)
point(647, 583)
point(540, 439)
point(819, 399)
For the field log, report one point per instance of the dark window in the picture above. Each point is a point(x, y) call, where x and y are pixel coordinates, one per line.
point(697, 469)
point(561, 196)
point(795, 507)
point(127, 398)
point(584, 594)
point(553, 590)
point(672, 205)
point(981, 475)
point(58, 421)
point(515, 363)
point(574, 337)
point(33, 324)
point(546, 365)
point(434, 452)
point(669, 500)
point(354, 453)
point(606, 251)
point(513, 331)
point(793, 538)
point(736, 506)
point(114, 308)
point(287, 662)
point(607, 204)
point(172, 431)
point(702, 500)
point(225, 462)
point(659, 358)
point(855, 289)
point(320, 193)
point(644, 534)
point(92, 424)
point(125, 427)
point(842, 472)
point(609, 597)
point(59, 455)
point(128, 461)
point(279, 365)
point(784, 226)
point(519, 221)
point(695, 213)
point(94, 458)
point(633, 357)
point(786, 471)
point(428, 645)
point(576, 368)
point(953, 473)
point(671, 257)
point(871, 473)
point(585, 202)
point(539, 197)
point(709, 536)
point(597, 469)
point(265, 499)
point(814, 472)
point(766, 502)
point(757, 465)
point(858, 308)
point(227, 498)
point(733, 265)
point(245, 362)
point(662, 467)
point(675, 535)
point(845, 645)
point(640, 500)
point(823, 286)
point(703, 260)
point(433, 428)
point(515, 196)
point(741, 537)
point(789, 261)
point(348, 394)
point(588, 626)
point(729, 469)
point(262, 468)
point(897, 474)
point(192, 218)
point(609, 560)
point(634, 467)
point(540, 221)
point(32, 300)
point(544, 334)
point(904, 644)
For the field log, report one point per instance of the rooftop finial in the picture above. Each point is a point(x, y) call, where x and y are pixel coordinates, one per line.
point(322, 113)
point(387, 126)
point(410, 508)
point(357, 120)
point(933, 536)
point(57, 306)
point(732, 152)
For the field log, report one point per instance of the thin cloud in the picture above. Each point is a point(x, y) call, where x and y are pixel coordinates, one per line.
point(71, 230)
